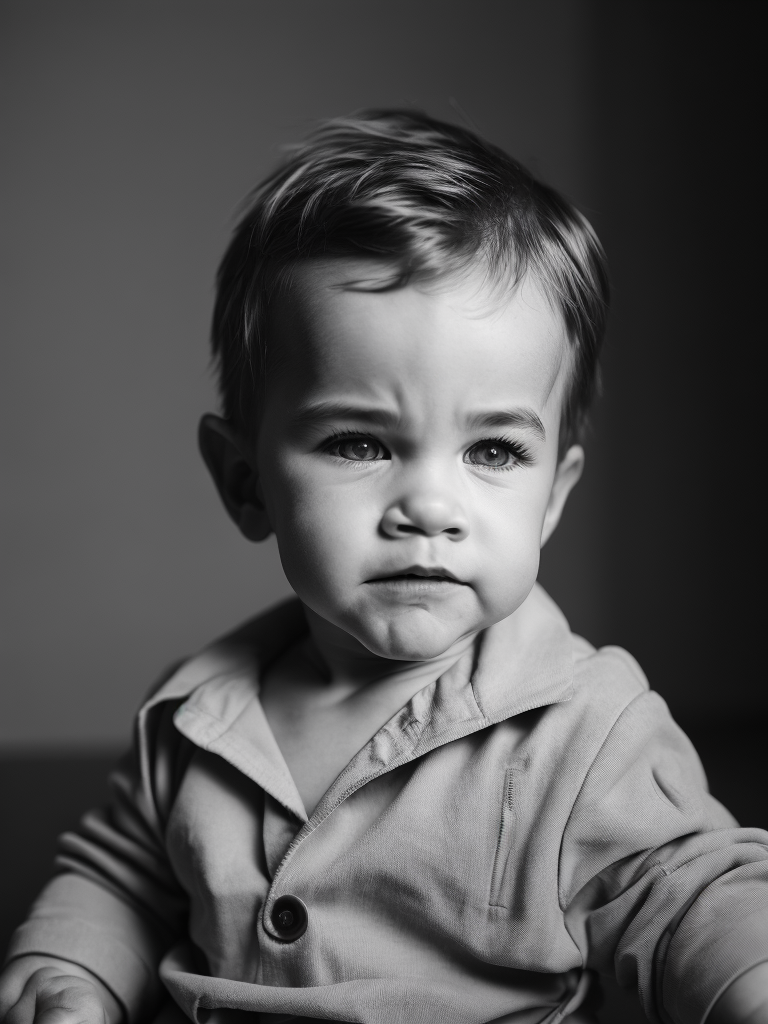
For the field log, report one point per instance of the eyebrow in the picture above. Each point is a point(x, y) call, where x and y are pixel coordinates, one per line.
point(345, 411)
point(525, 418)
point(496, 419)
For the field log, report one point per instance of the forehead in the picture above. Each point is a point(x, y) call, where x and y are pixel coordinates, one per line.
point(342, 327)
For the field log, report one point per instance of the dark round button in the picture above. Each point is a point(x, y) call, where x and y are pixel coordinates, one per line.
point(289, 918)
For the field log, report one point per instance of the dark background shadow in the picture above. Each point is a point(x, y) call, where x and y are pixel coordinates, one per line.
point(130, 131)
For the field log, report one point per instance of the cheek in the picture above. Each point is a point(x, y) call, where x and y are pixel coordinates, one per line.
point(318, 528)
point(514, 562)
point(508, 532)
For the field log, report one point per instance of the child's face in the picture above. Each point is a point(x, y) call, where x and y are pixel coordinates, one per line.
point(407, 455)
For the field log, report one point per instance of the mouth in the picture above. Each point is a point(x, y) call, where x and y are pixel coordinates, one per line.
point(421, 576)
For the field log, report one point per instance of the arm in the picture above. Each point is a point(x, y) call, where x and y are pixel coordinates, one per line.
point(115, 906)
point(656, 884)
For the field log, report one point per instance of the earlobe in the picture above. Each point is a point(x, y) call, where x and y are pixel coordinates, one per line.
point(235, 475)
point(567, 475)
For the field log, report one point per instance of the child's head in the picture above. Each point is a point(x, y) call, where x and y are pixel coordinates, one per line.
point(427, 198)
point(406, 331)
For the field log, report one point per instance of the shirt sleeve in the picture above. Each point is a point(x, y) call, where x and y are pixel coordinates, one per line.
point(658, 885)
point(114, 906)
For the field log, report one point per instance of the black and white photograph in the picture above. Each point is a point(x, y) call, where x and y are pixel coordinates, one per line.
point(382, 541)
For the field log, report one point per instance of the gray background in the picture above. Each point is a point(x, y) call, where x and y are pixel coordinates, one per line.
point(129, 133)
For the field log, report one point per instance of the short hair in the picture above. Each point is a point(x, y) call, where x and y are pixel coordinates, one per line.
point(429, 198)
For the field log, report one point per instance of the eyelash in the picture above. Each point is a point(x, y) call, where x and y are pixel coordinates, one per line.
point(517, 449)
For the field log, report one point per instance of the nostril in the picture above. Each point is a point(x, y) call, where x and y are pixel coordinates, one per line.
point(427, 519)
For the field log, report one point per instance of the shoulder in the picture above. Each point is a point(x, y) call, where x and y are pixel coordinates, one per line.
point(605, 682)
point(614, 722)
point(608, 674)
point(248, 648)
point(220, 677)
point(636, 747)
point(583, 688)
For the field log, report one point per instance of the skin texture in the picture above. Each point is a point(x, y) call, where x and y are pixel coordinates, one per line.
point(403, 540)
point(417, 369)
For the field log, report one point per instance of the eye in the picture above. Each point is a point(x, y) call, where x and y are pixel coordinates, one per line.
point(496, 454)
point(358, 449)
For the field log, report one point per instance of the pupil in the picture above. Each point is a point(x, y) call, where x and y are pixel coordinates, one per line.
point(286, 919)
point(360, 451)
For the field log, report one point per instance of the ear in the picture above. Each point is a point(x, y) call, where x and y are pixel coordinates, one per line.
point(236, 476)
point(567, 475)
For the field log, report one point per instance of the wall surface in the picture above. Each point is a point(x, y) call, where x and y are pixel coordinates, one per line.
point(131, 130)
point(682, 199)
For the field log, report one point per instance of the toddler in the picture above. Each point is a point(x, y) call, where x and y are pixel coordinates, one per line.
point(410, 795)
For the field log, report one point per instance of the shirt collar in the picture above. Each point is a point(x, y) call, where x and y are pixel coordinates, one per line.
point(523, 662)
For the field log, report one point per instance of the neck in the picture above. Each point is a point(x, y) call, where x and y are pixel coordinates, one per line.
point(344, 663)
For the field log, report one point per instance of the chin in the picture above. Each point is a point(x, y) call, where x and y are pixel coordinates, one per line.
point(414, 637)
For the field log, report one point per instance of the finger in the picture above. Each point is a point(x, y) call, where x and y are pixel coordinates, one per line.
point(60, 1015)
point(61, 999)
point(23, 1010)
point(12, 981)
point(69, 1000)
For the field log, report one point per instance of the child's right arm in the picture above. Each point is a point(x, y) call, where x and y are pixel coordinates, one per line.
point(90, 949)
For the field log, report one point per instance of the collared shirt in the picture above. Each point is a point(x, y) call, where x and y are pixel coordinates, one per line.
point(532, 814)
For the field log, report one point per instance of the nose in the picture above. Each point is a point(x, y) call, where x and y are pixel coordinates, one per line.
point(426, 510)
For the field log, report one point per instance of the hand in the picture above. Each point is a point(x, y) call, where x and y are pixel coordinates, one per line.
point(745, 1001)
point(45, 990)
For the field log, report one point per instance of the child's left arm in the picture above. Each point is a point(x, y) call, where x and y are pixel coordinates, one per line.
point(657, 885)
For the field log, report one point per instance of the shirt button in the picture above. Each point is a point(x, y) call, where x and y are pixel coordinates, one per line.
point(289, 918)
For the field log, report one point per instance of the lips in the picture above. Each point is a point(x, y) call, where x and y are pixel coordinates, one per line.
point(431, 573)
